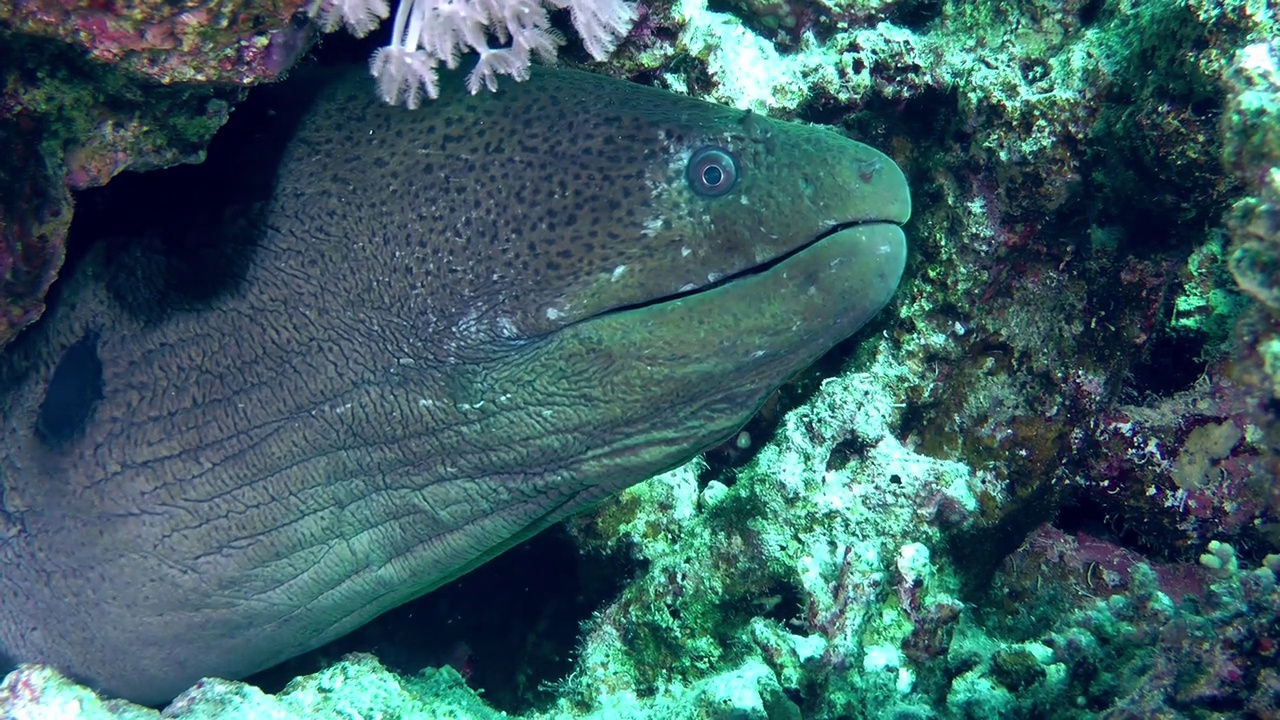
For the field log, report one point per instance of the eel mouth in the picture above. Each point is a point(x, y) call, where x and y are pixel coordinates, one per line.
point(770, 264)
point(835, 231)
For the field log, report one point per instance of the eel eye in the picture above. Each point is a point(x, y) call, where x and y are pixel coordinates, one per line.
point(712, 172)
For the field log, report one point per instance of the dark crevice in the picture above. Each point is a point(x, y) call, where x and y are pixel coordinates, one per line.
point(1170, 364)
point(917, 15)
point(509, 627)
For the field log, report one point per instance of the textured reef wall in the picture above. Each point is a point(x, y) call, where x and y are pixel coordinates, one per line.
point(91, 89)
point(1042, 484)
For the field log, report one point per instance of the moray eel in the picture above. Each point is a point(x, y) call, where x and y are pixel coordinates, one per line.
point(457, 326)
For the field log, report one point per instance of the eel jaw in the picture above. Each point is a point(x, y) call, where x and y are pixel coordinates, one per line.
point(688, 371)
point(759, 268)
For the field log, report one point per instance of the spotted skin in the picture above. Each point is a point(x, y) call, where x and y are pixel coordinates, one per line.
point(453, 327)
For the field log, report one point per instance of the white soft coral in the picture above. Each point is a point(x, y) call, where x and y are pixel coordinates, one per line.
point(428, 32)
point(403, 74)
point(360, 17)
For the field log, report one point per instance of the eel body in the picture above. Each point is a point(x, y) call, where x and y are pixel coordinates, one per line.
point(455, 326)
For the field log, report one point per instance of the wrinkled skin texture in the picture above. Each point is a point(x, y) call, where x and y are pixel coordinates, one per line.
point(456, 326)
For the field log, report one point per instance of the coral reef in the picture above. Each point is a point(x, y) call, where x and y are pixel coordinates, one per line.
point(238, 43)
point(358, 686)
point(91, 89)
point(793, 564)
point(35, 214)
point(1252, 152)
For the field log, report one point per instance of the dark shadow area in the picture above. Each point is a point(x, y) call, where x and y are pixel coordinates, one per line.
point(977, 551)
point(238, 169)
point(1082, 514)
point(1170, 365)
point(509, 627)
point(917, 15)
point(1090, 11)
